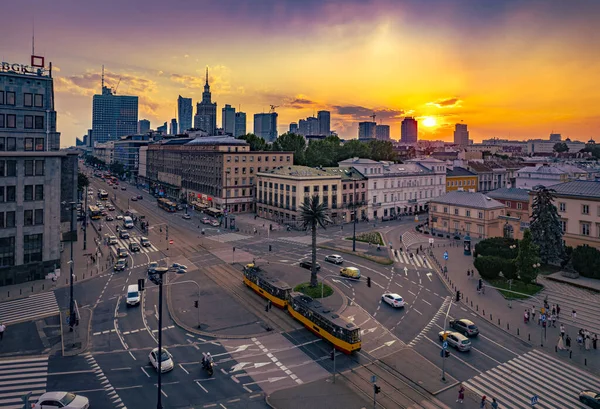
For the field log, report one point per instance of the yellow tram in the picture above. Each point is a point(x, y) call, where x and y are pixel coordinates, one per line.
point(341, 333)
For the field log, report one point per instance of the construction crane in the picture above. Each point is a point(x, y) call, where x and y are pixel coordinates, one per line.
point(373, 116)
point(273, 108)
point(117, 87)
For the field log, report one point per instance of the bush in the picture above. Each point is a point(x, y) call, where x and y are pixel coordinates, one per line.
point(586, 261)
point(370, 237)
point(498, 247)
point(489, 267)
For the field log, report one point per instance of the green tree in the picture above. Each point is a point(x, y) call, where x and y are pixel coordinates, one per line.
point(560, 147)
point(381, 150)
point(256, 142)
point(117, 168)
point(354, 149)
point(527, 257)
point(586, 261)
point(313, 213)
point(545, 226)
point(82, 181)
point(324, 152)
point(291, 142)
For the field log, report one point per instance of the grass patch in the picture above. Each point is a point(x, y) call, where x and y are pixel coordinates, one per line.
point(518, 286)
point(369, 237)
point(376, 259)
point(314, 292)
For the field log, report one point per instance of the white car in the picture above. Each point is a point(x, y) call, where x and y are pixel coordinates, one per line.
point(119, 217)
point(166, 359)
point(66, 400)
point(334, 258)
point(186, 216)
point(393, 299)
point(215, 223)
point(205, 220)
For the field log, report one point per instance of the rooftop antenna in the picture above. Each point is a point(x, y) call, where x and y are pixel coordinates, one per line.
point(33, 34)
point(373, 116)
point(102, 76)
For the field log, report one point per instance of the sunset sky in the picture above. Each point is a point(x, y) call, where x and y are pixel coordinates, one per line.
point(510, 69)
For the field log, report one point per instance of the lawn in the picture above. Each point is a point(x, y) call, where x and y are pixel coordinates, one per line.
point(314, 292)
point(518, 286)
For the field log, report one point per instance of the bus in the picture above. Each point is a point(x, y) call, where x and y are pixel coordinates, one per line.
point(213, 212)
point(103, 195)
point(94, 212)
point(167, 205)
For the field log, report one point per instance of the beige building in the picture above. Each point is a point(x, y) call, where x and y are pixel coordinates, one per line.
point(104, 152)
point(281, 191)
point(578, 205)
point(472, 213)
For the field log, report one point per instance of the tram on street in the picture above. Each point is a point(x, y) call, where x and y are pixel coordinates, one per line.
point(167, 205)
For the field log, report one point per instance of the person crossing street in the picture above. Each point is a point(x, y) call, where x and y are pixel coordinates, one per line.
point(2, 329)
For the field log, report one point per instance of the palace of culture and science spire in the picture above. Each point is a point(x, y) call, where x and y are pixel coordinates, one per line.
point(206, 111)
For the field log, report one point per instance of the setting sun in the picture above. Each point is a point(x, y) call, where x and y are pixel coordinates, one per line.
point(429, 121)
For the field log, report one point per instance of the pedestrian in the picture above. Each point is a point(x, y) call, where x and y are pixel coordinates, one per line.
point(2, 329)
point(540, 319)
point(562, 330)
point(568, 342)
point(560, 345)
point(526, 317)
point(461, 394)
point(595, 341)
point(574, 314)
point(532, 312)
point(587, 341)
point(483, 399)
point(494, 403)
point(553, 309)
point(558, 311)
point(468, 274)
point(553, 320)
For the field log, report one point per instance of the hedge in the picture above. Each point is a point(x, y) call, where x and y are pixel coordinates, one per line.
point(498, 247)
point(489, 267)
point(586, 261)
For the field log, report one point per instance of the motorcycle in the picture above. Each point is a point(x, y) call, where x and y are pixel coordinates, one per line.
point(209, 367)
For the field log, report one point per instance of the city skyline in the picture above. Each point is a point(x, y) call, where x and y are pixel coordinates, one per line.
point(509, 69)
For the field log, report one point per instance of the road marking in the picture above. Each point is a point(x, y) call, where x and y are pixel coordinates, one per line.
point(132, 355)
point(247, 389)
point(415, 310)
point(233, 400)
point(163, 392)
point(412, 293)
point(425, 301)
point(200, 385)
point(255, 396)
point(121, 369)
point(144, 371)
point(184, 370)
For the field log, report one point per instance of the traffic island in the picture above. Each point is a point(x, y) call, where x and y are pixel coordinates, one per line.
point(320, 291)
point(363, 250)
point(76, 341)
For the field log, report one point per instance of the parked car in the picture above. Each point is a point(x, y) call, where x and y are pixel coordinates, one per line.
point(166, 360)
point(456, 340)
point(334, 258)
point(393, 299)
point(590, 398)
point(465, 326)
point(186, 216)
point(65, 400)
point(308, 265)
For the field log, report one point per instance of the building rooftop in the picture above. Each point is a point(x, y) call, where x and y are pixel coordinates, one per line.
point(458, 171)
point(468, 199)
point(479, 167)
point(301, 171)
point(346, 172)
point(578, 188)
point(510, 193)
point(216, 140)
point(353, 161)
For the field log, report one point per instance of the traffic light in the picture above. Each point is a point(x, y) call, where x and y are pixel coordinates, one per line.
point(332, 355)
point(368, 281)
point(269, 247)
point(234, 249)
point(196, 304)
point(457, 296)
point(140, 284)
point(376, 388)
point(446, 353)
point(161, 229)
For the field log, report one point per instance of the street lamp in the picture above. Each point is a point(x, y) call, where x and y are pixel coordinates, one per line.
point(355, 216)
point(73, 207)
point(157, 278)
point(227, 172)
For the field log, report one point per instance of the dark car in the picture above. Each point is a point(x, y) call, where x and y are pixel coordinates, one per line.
point(140, 197)
point(121, 264)
point(465, 326)
point(590, 398)
point(122, 253)
point(133, 247)
point(308, 265)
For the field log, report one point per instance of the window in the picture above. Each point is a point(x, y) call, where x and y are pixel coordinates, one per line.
point(445, 208)
point(39, 168)
point(10, 219)
point(28, 168)
point(519, 206)
point(456, 212)
point(1, 97)
point(563, 226)
point(28, 100)
point(325, 188)
point(468, 213)
point(11, 144)
point(32, 248)
point(316, 188)
point(480, 229)
point(39, 122)
point(374, 199)
point(456, 226)
point(28, 217)
point(39, 100)
point(11, 121)
point(468, 227)
point(2, 125)
point(480, 215)
point(585, 229)
point(28, 193)
point(508, 204)
point(585, 209)
point(10, 98)
point(11, 193)
point(2, 194)
point(306, 189)
point(7, 251)
point(39, 144)
point(562, 207)
point(39, 192)
point(28, 143)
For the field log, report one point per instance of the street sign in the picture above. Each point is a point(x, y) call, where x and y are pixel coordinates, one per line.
point(534, 400)
point(445, 345)
point(543, 317)
point(445, 255)
point(373, 378)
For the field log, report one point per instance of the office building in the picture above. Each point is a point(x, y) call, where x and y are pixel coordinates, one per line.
point(228, 120)
point(184, 113)
point(461, 135)
point(240, 124)
point(409, 130)
point(143, 126)
point(366, 130)
point(173, 127)
point(324, 118)
point(38, 182)
point(265, 126)
point(303, 127)
point(293, 128)
point(382, 132)
point(206, 111)
point(127, 152)
point(113, 115)
point(163, 130)
point(104, 151)
point(313, 126)
point(555, 137)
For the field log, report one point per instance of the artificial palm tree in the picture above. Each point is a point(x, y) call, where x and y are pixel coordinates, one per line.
point(313, 212)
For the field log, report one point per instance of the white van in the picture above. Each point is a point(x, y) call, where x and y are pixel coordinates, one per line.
point(133, 295)
point(128, 222)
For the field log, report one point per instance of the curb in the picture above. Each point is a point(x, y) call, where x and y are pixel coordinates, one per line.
point(357, 254)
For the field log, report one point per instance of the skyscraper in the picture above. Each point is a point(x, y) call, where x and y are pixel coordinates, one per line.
point(382, 132)
point(313, 125)
point(173, 128)
point(265, 126)
point(366, 130)
point(240, 124)
point(113, 115)
point(409, 131)
point(184, 113)
point(293, 128)
point(143, 126)
point(461, 135)
point(206, 111)
point(303, 127)
point(228, 119)
point(324, 118)
point(162, 129)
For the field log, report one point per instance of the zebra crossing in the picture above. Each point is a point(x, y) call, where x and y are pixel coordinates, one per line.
point(25, 309)
point(417, 260)
point(20, 376)
point(513, 383)
point(124, 243)
point(227, 237)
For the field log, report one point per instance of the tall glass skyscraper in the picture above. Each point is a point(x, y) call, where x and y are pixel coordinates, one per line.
point(113, 116)
point(184, 112)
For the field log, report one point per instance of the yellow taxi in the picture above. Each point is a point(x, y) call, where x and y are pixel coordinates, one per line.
point(350, 272)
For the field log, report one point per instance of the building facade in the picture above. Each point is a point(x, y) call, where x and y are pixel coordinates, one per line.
point(548, 175)
point(293, 128)
point(184, 113)
point(240, 124)
point(324, 118)
point(104, 152)
point(38, 182)
point(143, 126)
point(113, 116)
point(517, 206)
point(382, 132)
point(127, 152)
point(265, 126)
point(461, 135)
point(173, 128)
point(366, 130)
point(228, 119)
point(459, 178)
point(206, 111)
point(409, 130)
point(354, 193)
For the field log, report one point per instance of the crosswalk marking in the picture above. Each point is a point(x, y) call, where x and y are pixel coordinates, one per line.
point(513, 383)
point(124, 243)
point(33, 307)
point(15, 383)
point(417, 260)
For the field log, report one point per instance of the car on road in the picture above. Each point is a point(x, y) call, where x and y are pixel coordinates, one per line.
point(465, 326)
point(186, 216)
point(215, 223)
point(122, 253)
point(133, 295)
point(456, 340)
point(140, 197)
point(350, 272)
point(104, 213)
point(166, 360)
point(145, 242)
point(65, 400)
point(109, 218)
point(112, 240)
point(393, 299)
point(121, 264)
point(152, 267)
point(115, 187)
point(308, 265)
point(134, 198)
point(100, 207)
point(124, 234)
point(205, 220)
point(119, 217)
point(110, 207)
point(334, 258)
point(134, 247)
point(123, 188)
point(590, 398)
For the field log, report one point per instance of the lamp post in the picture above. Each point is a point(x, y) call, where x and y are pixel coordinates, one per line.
point(157, 278)
point(227, 172)
point(85, 216)
point(444, 337)
point(72, 208)
point(355, 216)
